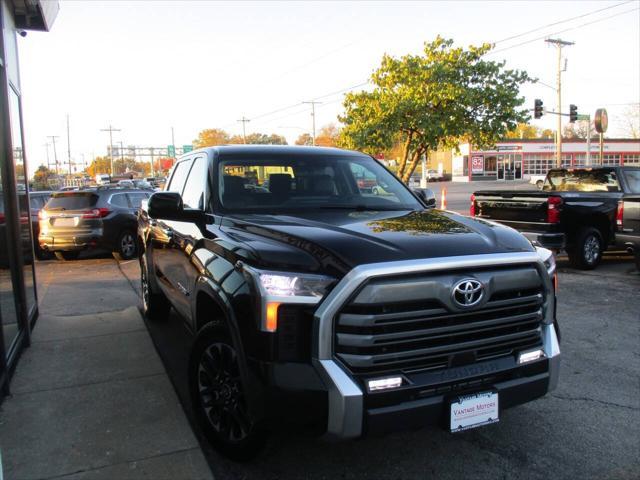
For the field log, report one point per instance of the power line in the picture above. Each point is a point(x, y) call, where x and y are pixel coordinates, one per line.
point(560, 21)
point(561, 31)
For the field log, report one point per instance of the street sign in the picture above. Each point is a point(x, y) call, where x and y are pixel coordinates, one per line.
point(583, 117)
point(171, 151)
point(187, 148)
point(601, 121)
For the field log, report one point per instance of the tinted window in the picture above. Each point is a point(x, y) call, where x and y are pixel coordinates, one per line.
point(596, 180)
point(300, 183)
point(193, 195)
point(119, 200)
point(137, 198)
point(633, 179)
point(71, 201)
point(179, 176)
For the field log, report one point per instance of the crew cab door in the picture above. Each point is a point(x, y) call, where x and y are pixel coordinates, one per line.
point(166, 251)
point(186, 235)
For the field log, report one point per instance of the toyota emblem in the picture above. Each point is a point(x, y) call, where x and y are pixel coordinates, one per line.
point(467, 293)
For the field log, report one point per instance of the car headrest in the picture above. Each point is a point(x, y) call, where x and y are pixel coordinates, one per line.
point(233, 186)
point(323, 185)
point(280, 183)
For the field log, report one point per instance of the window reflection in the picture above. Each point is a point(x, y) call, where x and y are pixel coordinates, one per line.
point(26, 239)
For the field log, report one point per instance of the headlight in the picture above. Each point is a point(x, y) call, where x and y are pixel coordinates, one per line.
point(277, 288)
point(548, 259)
point(294, 285)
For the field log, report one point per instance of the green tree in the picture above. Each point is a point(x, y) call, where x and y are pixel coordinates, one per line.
point(211, 137)
point(304, 139)
point(41, 178)
point(434, 100)
point(264, 139)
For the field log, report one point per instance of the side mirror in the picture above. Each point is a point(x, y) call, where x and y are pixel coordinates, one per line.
point(167, 205)
point(427, 196)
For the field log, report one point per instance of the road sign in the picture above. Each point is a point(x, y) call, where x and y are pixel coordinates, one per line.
point(601, 121)
point(187, 148)
point(171, 151)
point(583, 117)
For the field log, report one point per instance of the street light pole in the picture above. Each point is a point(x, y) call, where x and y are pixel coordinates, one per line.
point(559, 44)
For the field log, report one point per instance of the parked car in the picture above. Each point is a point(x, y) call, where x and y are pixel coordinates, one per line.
point(434, 176)
point(576, 210)
point(318, 304)
point(103, 178)
point(37, 201)
point(100, 218)
point(537, 180)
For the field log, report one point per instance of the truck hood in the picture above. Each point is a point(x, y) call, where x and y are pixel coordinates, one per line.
point(334, 242)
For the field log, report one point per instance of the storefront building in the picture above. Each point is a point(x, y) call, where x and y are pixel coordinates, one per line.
point(519, 159)
point(18, 296)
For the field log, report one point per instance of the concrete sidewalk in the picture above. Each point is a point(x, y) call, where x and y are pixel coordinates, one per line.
point(91, 398)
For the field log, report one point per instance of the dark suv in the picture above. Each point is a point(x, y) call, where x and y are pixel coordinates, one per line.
point(318, 302)
point(97, 218)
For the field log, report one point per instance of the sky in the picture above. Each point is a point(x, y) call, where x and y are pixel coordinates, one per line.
point(147, 66)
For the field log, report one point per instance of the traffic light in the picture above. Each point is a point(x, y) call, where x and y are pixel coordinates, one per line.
point(573, 113)
point(537, 109)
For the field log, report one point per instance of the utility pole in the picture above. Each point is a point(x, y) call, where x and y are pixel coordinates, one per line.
point(68, 145)
point(559, 44)
point(55, 154)
point(244, 121)
point(111, 130)
point(46, 145)
point(313, 117)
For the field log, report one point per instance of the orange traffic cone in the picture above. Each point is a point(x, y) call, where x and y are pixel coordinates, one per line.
point(443, 199)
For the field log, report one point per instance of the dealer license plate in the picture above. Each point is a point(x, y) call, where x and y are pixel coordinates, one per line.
point(470, 411)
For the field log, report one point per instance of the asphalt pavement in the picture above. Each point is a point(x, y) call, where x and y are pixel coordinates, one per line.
point(588, 428)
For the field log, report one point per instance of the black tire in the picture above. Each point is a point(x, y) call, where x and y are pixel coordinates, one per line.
point(587, 251)
point(218, 397)
point(539, 184)
point(66, 256)
point(126, 247)
point(155, 306)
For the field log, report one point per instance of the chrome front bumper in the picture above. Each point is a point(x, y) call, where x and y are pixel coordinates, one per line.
point(346, 398)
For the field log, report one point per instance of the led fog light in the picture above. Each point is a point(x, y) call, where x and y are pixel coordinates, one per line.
point(384, 383)
point(530, 356)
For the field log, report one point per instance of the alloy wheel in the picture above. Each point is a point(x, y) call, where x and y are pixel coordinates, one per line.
point(591, 249)
point(220, 391)
point(127, 245)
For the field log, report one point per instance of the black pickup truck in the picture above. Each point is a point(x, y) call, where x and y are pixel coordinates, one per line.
point(579, 210)
point(314, 302)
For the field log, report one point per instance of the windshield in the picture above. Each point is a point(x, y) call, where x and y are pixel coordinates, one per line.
point(332, 182)
point(588, 180)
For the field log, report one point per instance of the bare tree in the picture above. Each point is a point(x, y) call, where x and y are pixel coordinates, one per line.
point(631, 121)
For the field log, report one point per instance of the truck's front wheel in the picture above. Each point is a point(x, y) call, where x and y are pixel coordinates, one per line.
point(587, 250)
point(218, 396)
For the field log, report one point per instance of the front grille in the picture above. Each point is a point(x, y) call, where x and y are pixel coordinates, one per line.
point(431, 333)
